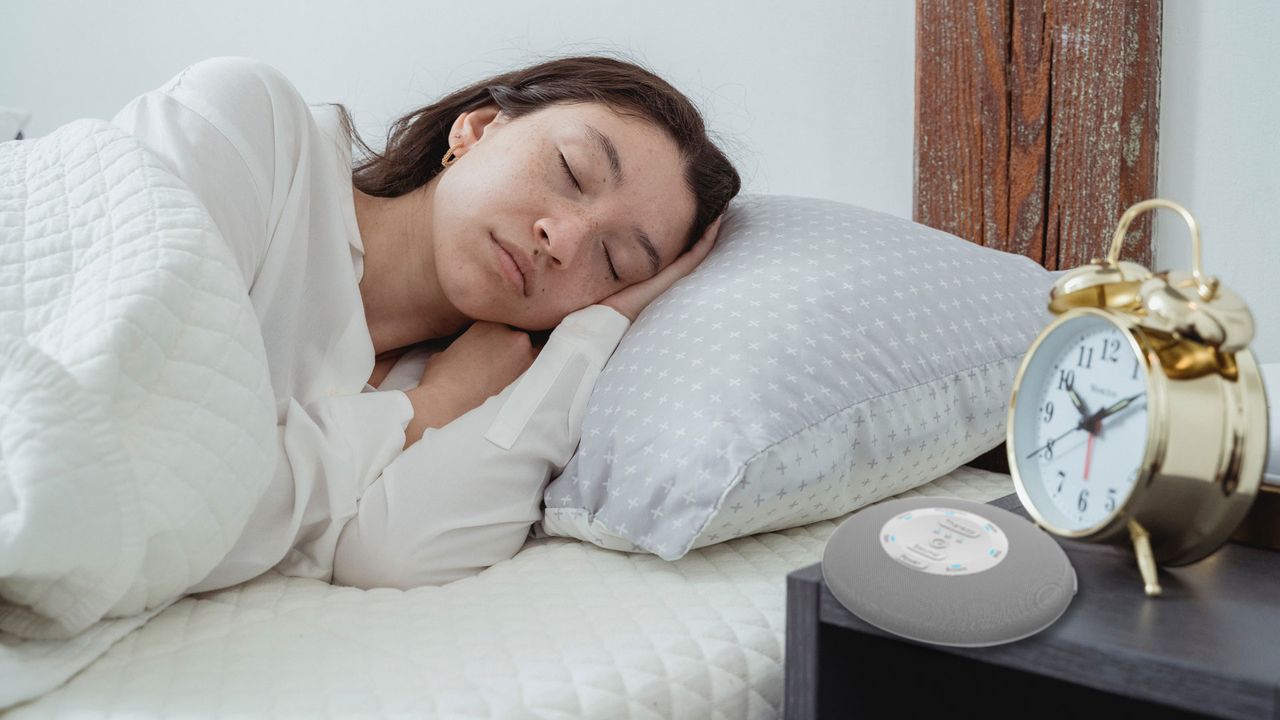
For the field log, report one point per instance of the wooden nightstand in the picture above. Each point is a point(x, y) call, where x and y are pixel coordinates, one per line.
point(1209, 646)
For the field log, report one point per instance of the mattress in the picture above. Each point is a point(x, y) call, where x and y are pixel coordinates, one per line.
point(562, 630)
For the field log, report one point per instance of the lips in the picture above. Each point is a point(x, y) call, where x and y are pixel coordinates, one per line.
point(515, 265)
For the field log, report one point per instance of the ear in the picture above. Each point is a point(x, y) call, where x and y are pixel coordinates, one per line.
point(470, 126)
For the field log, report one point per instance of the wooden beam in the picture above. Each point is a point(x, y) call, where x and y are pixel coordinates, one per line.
point(962, 126)
point(1036, 123)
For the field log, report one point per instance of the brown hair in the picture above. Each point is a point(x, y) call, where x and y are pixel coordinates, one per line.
point(417, 141)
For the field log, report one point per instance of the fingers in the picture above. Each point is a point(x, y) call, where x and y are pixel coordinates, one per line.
point(634, 298)
point(714, 228)
point(700, 249)
point(708, 239)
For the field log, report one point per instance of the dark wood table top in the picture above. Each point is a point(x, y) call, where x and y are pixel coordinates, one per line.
point(1211, 642)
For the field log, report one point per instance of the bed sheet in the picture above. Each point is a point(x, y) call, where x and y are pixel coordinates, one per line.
point(563, 630)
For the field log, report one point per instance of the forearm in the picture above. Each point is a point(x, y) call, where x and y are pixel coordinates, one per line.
point(463, 497)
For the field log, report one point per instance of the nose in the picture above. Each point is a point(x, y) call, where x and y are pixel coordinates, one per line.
point(563, 237)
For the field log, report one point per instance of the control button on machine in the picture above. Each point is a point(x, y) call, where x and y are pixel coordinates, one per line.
point(909, 559)
point(943, 541)
point(926, 552)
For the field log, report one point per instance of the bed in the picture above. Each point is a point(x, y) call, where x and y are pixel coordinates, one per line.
point(567, 629)
point(563, 630)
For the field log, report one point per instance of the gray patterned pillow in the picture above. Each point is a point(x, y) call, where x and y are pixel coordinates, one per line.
point(823, 357)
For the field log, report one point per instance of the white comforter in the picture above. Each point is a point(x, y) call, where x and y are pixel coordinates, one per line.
point(137, 426)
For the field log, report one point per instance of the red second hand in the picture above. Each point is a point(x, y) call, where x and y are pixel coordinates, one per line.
point(1088, 455)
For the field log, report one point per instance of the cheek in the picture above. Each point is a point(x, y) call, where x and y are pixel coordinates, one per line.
point(501, 174)
point(551, 304)
point(590, 287)
point(464, 284)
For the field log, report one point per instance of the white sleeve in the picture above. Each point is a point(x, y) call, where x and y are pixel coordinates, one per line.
point(334, 449)
point(234, 129)
point(464, 496)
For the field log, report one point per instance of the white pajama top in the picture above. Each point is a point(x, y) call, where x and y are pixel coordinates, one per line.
point(347, 504)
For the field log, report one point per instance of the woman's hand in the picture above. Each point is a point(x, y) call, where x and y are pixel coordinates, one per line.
point(479, 364)
point(631, 300)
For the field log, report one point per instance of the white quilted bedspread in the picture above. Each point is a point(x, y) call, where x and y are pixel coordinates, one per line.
point(563, 630)
point(137, 425)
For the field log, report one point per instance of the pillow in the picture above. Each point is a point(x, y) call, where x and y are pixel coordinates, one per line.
point(823, 357)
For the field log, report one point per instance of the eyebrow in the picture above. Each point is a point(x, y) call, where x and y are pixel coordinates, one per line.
point(606, 146)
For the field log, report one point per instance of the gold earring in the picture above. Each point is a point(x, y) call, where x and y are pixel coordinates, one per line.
point(450, 157)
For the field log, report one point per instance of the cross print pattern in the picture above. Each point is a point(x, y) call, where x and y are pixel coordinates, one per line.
point(824, 357)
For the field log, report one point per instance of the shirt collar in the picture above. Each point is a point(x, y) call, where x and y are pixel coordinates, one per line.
point(328, 119)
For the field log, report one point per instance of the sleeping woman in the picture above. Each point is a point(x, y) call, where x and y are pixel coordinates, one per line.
point(564, 196)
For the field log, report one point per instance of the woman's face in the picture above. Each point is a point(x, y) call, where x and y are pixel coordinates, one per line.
point(519, 239)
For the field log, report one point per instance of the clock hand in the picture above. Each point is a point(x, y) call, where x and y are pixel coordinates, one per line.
point(1088, 455)
point(1089, 423)
point(1093, 423)
point(1115, 407)
point(1082, 409)
point(1078, 402)
point(1079, 426)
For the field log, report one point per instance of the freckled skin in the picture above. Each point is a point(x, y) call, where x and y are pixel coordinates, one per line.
point(510, 183)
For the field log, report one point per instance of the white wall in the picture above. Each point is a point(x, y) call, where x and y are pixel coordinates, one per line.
point(1220, 149)
point(811, 98)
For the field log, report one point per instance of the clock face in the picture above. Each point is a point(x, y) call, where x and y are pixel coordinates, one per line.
point(1080, 423)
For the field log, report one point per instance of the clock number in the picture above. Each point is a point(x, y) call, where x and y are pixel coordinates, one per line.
point(1048, 411)
point(1066, 379)
point(1086, 359)
point(1111, 499)
point(1111, 349)
point(1135, 370)
point(1048, 450)
point(1061, 477)
point(1083, 503)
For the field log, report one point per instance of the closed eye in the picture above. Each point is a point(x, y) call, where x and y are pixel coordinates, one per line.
point(568, 171)
point(612, 269)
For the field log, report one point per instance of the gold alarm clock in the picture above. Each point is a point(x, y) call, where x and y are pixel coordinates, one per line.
point(1139, 412)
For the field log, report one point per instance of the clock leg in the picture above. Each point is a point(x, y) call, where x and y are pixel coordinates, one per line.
point(1146, 561)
